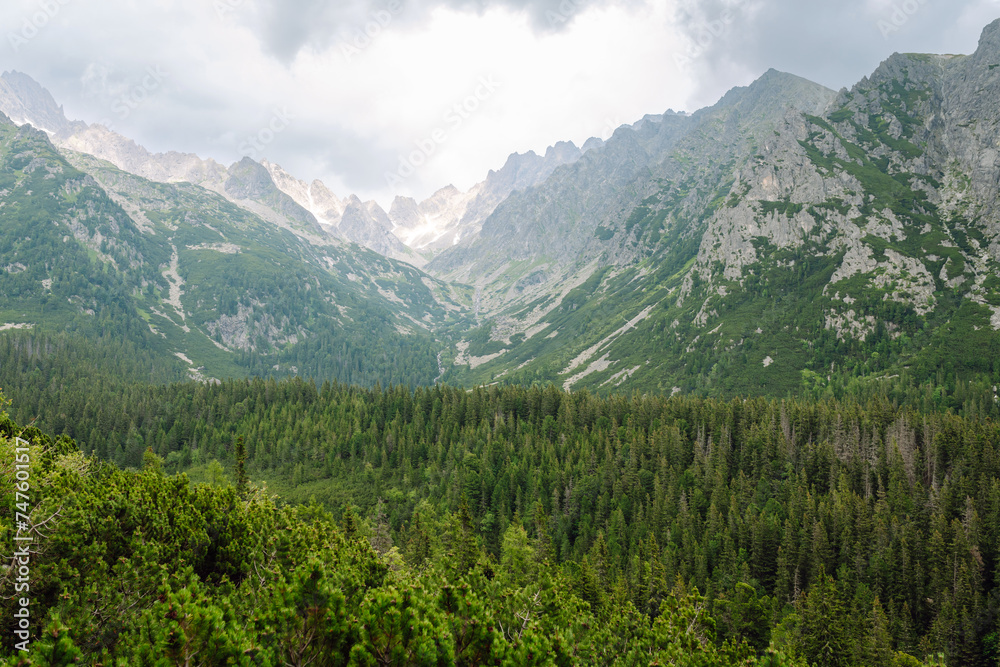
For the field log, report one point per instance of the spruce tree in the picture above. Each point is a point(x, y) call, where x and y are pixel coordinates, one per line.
point(242, 483)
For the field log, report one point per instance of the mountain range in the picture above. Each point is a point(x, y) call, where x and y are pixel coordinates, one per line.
point(788, 238)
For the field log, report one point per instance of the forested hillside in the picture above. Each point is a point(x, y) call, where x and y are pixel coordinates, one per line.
point(840, 531)
point(138, 568)
point(190, 284)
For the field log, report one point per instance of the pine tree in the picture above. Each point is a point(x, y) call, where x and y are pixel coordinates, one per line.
point(824, 638)
point(544, 550)
point(466, 545)
point(418, 543)
point(242, 483)
point(349, 523)
point(877, 645)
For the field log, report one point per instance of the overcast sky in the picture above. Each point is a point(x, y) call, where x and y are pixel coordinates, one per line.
point(385, 97)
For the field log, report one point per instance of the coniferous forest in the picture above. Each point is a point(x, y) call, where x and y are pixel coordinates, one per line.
point(280, 523)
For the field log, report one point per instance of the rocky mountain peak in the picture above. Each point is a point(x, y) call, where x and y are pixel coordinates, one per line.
point(249, 180)
point(562, 152)
point(989, 40)
point(441, 195)
point(322, 193)
point(26, 101)
point(404, 211)
point(369, 225)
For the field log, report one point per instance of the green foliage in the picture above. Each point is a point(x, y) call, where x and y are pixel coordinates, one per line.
point(603, 233)
point(782, 207)
point(138, 568)
point(242, 482)
point(841, 532)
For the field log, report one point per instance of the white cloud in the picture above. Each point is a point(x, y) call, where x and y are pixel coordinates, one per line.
point(355, 112)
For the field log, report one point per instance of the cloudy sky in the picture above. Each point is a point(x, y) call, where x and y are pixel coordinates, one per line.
point(384, 97)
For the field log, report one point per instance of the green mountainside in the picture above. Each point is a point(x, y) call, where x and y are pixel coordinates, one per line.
point(203, 284)
point(787, 240)
point(762, 252)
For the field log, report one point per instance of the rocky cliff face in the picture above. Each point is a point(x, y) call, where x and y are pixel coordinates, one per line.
point(315, 197)
point(898, 181)
point(576, 218)
point(24, 100)
point(370, 226)
point(364, 223)
point(450, 216)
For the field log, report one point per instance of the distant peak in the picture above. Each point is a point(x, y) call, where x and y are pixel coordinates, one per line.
point(401, 203)
point(774, 77)
point(21, 77)
point(24, 99)
point(562, 150)
point(559, 145)
point(592, 143)
point(514, 157)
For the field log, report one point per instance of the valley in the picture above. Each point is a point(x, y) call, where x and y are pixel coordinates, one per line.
point(842, 236)
point(718, 389)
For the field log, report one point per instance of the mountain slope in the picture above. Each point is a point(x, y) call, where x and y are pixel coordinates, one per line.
point(787, 239)
point(599, 243)
point(180, 269)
